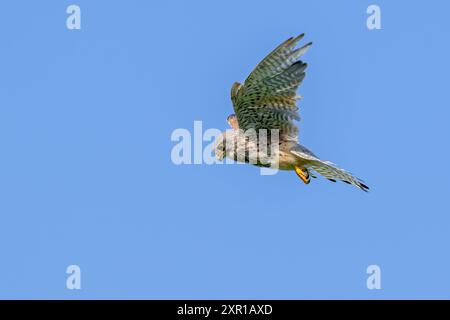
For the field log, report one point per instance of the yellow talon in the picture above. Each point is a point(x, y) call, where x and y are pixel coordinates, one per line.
point(303, 174)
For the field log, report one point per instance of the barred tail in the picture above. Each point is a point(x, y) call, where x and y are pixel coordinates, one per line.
point(327, 169)
point(333, 173)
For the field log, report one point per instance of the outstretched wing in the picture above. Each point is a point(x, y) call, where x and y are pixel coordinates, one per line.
point(268, 99)
point(327, 169)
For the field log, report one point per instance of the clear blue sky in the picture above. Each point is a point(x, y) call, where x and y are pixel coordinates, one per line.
point(86, 176)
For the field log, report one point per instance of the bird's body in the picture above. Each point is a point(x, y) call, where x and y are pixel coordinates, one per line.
point(280, 157)
point(266, 105)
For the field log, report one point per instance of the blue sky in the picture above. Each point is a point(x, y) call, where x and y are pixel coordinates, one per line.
point(86, 176)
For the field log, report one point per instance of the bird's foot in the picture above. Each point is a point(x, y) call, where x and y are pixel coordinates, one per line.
point(303, 174)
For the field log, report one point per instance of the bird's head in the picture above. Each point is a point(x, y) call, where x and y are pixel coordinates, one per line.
point(225, 144)
point(220, 147)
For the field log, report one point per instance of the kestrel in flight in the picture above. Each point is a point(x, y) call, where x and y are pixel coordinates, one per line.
point(268, 100)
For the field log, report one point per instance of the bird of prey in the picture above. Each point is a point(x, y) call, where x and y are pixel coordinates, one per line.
point(268, 101)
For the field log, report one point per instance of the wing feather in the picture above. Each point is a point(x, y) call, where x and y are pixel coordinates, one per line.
point(268, 99)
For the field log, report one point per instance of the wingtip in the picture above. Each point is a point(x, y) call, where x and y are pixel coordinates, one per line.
point(293, 40)
point(300, 36)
